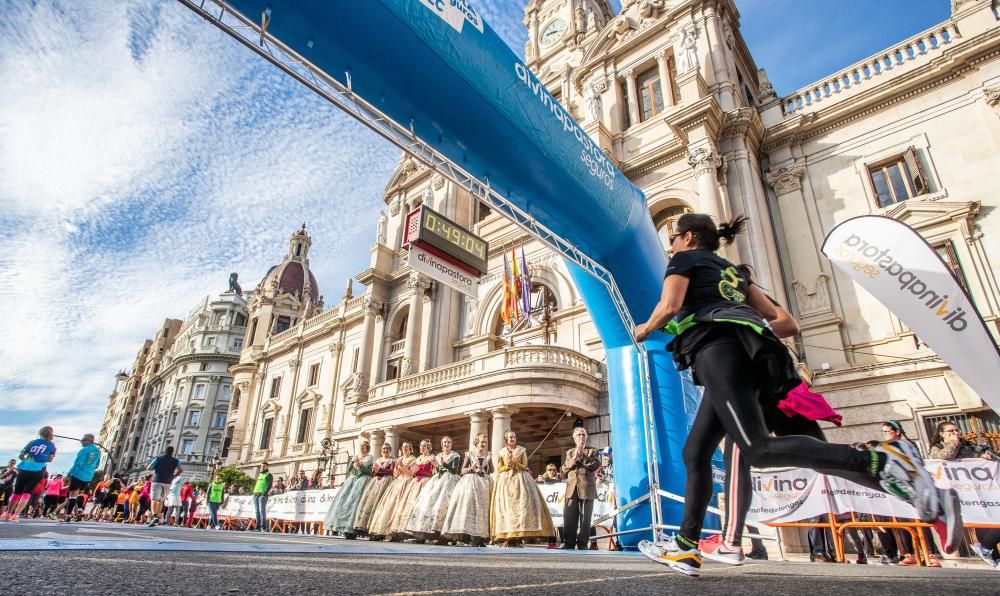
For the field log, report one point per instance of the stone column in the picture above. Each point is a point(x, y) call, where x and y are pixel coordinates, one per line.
point(390, 435)
point(706, 161)
point(633, 97)
point(378, 438)
point(501, 424)
point(477, 425)
point(360, 390)
point(665, 87)
point(417, 283)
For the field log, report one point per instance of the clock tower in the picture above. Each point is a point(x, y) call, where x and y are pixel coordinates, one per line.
point(557, 28)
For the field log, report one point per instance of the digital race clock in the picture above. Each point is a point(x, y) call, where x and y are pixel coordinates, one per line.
point(429, 228)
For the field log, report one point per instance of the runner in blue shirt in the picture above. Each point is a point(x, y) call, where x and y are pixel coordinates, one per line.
point(34, 457)
point(82, 473)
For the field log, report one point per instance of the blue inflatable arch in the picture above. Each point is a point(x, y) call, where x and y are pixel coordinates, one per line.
point(435, 67)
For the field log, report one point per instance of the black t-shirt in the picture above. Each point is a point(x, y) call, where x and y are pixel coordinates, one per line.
point(163, 468)
point(712, 281)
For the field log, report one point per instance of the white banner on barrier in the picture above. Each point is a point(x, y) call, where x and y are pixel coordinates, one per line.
point(553, 495)
point(782, 496)
point(312, 505)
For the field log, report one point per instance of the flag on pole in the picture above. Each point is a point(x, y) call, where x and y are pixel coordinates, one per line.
point(505, 308)
point(525, 284)
point(515, 297)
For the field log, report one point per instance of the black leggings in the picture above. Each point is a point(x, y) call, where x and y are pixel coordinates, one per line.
point(730, 406)
point(739, 493)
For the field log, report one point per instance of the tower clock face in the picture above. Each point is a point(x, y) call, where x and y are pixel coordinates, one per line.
point(553, 32)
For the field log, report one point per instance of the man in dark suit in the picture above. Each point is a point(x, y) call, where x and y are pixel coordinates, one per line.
point(581, 490)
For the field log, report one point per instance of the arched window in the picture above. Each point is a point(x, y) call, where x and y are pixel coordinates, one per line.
point(665, 222)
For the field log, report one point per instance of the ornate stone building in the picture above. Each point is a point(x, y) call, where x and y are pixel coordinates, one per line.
point(671, 92)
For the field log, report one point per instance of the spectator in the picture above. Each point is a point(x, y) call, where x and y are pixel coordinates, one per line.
point(551, 475)
point(216, 496)
point(260, 491)
point(947, 443)
point(300, 482)
point(173, 502)
point(986, 547)
point(279, 486)
point(581, 490)
point(316, 482)
point(893, 431)
point(606, 473)
point(193, 507)
point(144, 495)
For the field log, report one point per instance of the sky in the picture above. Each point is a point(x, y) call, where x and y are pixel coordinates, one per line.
point(144, 156)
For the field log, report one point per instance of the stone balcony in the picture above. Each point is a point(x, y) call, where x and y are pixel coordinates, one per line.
point(520, 377)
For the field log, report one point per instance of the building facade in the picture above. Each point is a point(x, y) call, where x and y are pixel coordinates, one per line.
point(673, 95)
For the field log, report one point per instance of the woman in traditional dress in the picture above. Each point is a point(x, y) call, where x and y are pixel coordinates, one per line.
point(468, 518)
point(518, 510)
point(423, 469)
point(340, 517)
point(431, 507)
point(392, 499)
point(381, 479)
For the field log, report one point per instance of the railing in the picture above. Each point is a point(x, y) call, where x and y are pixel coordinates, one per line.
point(353, 303)
point(286, 334)
point(227, 328)
point(397, 347)
point(499, 361)
point(323, 319)
point(919, 48)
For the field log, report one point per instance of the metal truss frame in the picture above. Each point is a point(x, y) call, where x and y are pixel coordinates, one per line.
point(254, 36)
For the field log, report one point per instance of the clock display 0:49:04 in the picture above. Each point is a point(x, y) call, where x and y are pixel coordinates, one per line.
point(452, 238)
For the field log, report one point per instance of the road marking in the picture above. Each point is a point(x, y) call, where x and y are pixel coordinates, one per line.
point(510, 588)
point(241, 565)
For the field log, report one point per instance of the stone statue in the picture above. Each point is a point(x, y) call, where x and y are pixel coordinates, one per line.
point(380, 231)
point(407, 367)
point(470, 313)
point(592, 97)
point(234, 284)
point(591, 20)
point(580, 19)
point(358, 382)
point(689, 51)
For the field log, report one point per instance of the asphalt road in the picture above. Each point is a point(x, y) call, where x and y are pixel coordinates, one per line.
point(50, 558)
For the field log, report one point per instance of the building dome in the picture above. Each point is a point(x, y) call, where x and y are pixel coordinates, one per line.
point(292, 275)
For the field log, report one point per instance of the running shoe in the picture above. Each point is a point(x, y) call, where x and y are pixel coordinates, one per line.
point(674, 555)
point(153, 523)
point(949, 524)
point(904, 476)
point(986, 555)
point(716, 549)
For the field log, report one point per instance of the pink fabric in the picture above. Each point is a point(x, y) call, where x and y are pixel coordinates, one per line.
point(809, 405)
point(145, 489)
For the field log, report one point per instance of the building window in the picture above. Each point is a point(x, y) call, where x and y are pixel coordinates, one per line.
point(354, 360)
point(675, 91)
point(275, 386)
point(392, 369)
point(187, 446)
point(650, 94)
point(282, 324)
point(194, 418)
point(220, 419)
point(199, 391)
point(253, 331)
point(213, 449)
point(265, 433)
point(483, 212)
point(897, 179)
point(666, 221)
point(946, 250)
point(225, 393)
point(314, 375)
point(173, 418)
point(210, 341)
point(304, 420)
point(203, 367)
point(237, 342)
